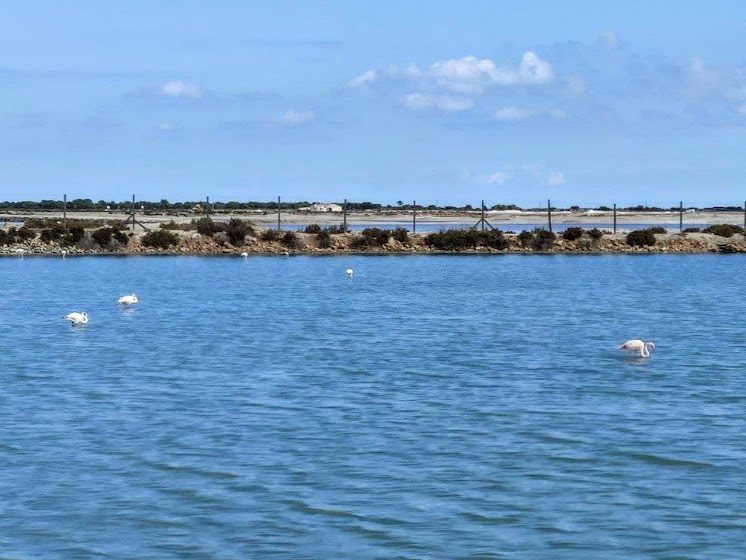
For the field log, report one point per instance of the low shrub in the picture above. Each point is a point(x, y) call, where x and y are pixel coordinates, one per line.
point(324, 239)
point(723, 230)
point(573, 233)
point(336, 229)
point(658, 229)
point(24, 233)
point(376, 236)
point(106, 235)
point(207, 227)
point(526, 238)
point(401, 235)
point(237, 230)
point(173, 226)
point(360, 243)
point(292, 240)
point(270, 235)
point(640, 238)
point(6, 238)
point(692, 230)
point(313, 229)
point(543, 240)
point(595, 234)
point(160, 239)
point(102, 237)
point(462, 239)
point(74, 235)
point(52, 234)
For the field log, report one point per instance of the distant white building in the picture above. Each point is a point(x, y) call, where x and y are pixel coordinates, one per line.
point(321, 207)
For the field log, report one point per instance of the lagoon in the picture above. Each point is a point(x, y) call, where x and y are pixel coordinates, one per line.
point(429, 407)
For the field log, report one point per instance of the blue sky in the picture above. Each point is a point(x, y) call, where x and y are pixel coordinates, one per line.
point(585, 103)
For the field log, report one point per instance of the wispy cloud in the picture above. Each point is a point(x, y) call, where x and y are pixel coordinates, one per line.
point(177, 88)
point(468, 74)
point(513, 114)
point(424, 101)
point(292, 118)
point(492, 178)
point(363, 79)
point(556, 178)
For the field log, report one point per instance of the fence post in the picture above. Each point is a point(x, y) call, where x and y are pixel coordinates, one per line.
point(614, 219)
point(344, 217)
point(64, 212)
point(549, 214)
point(414, 217)
point(279, 227)
point(207, 208)
point(681, 216)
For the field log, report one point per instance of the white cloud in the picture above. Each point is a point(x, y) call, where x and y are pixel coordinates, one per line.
point(556, 178)
point(513, 114)
point(363, 79)
point(176, 88)
point(424, 101)
point(293, 117)
point(534, 70)
point(470, 74)
point(494, 178)
point(497, 178)
point(464, 75)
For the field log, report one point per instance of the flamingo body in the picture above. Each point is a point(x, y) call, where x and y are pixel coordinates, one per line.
point(127, 300)
point(349, 273)
point(637, 345)
point(77, 318)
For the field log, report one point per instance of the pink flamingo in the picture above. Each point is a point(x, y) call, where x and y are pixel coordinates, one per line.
point(637, 345)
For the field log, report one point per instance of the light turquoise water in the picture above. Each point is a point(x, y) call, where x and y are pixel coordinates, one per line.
point(430, 407)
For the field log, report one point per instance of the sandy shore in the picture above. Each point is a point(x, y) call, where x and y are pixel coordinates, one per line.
point(498, 219)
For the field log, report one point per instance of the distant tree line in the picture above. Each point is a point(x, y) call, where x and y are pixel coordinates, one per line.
point(86, 204)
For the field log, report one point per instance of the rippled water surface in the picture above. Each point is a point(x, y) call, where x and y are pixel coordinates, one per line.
point(429, 407)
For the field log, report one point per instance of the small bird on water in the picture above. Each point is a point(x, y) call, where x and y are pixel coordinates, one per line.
point(349, 273)
point(77, 318)
point(637, 345)
point(128, 300)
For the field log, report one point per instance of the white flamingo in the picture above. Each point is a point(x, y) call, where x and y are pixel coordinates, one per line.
point(637, 345)
point(245, 255)
point(349, 273)
point(128, 300)
point(77, 318)
point(64, 252)
point(20, 252)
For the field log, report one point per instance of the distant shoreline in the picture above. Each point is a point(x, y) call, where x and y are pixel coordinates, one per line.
point(499, 219)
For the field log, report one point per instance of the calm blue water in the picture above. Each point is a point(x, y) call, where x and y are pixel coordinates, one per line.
point(429, 407)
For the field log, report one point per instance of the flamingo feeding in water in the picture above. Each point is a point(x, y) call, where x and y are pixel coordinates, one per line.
point(349, 273)
point(127, 300)
point(637, 345)
point(77, 318)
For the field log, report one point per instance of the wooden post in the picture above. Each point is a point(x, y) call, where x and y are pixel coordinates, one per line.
point(482, 220)
point(414, 216)
point(615, 219)
point(64, 212)
point(744, 216)
point(279, 227)
point(681, 216)
point(133, 212)
point(207, 208)
point(344, 217)
point(549, 213)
